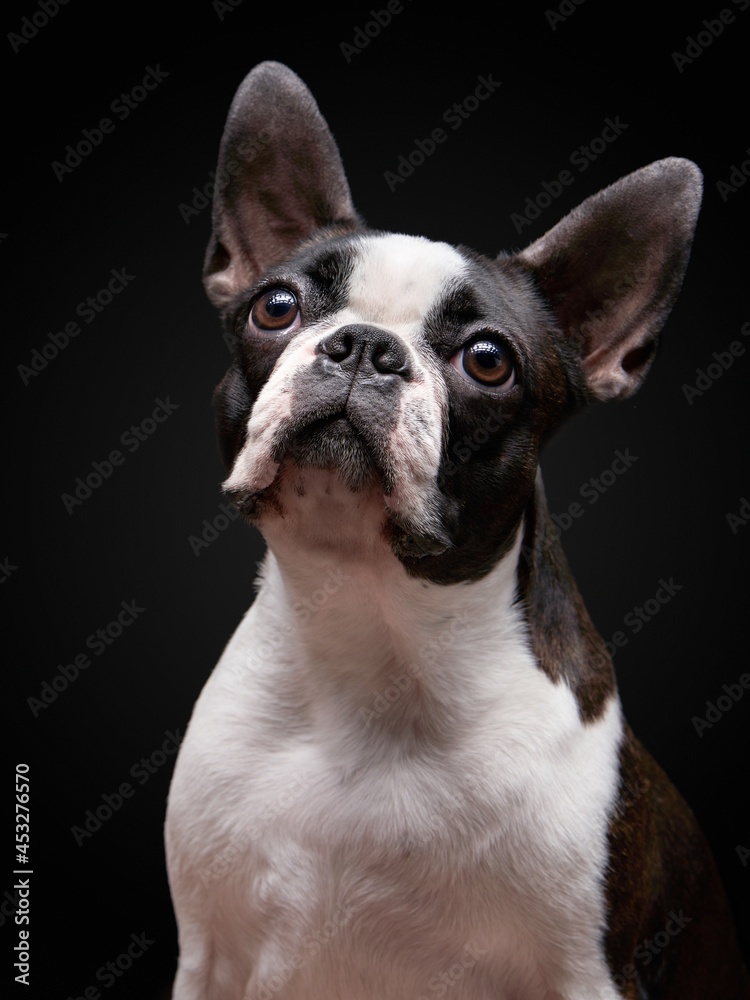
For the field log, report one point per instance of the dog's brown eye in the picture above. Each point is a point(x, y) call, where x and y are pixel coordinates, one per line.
point(275, 310)
point(486, 362)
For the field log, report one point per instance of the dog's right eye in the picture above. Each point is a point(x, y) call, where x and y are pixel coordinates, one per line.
point(274, 312)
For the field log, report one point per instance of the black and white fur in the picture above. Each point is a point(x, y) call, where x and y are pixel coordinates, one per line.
point(408, 775)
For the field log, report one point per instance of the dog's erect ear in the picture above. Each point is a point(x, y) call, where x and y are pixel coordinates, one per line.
point(279, 178)
point(612, 268)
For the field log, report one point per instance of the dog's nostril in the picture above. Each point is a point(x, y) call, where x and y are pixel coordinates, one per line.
point(388, 360)
point(338, 346)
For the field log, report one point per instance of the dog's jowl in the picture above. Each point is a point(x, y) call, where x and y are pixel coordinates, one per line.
point(409, 775)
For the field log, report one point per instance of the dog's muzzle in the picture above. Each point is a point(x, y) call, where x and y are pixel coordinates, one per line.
point(358, 407)
point(347, 405)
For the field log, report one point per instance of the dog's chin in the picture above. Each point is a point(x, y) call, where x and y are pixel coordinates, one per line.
point(329, 476)
point(336, 447)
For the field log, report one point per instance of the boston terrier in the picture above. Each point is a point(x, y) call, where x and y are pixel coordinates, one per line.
point(409, 776)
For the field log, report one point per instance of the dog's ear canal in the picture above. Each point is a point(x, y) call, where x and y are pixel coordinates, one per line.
point(279, 177)
point(612, 268)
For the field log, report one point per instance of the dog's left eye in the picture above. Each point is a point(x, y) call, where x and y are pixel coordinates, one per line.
point(487, 363)
point(275, 311)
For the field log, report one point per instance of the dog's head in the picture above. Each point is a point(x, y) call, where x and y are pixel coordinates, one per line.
point(416, 378)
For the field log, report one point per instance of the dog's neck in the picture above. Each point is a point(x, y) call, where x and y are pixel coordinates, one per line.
point(380, 659)
point(359, 637)
point(367, 640)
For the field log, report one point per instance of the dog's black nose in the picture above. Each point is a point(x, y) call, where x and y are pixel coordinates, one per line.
point(366, 349)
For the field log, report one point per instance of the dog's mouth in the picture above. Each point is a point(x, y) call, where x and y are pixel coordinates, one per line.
point(329, 442)
point(335, 444)
point(358, 456)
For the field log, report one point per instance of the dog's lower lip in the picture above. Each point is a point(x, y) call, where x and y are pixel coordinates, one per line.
point(340, 423)
point(246, 503)
point(293, 442)
point(336, 443)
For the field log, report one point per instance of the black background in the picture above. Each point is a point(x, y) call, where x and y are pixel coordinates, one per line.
point(129, 541)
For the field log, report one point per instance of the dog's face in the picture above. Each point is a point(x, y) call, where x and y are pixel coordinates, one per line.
point(406, 368)
point(409, 382)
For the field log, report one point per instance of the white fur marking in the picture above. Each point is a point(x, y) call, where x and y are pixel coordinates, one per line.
point(483, 828)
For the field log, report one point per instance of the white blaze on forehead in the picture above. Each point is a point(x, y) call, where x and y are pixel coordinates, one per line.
point(397, 279)
point(395, 283)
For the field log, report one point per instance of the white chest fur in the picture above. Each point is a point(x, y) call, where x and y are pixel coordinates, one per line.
point(381, 797)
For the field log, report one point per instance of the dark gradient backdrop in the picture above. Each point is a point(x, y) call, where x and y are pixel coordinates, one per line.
point(131, 206)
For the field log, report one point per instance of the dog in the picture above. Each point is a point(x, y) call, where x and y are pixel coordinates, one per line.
point(409, 775)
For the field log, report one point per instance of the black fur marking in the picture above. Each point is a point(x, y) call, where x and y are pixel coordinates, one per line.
point(319, 274)
point(489, 462)
point(566, 645)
